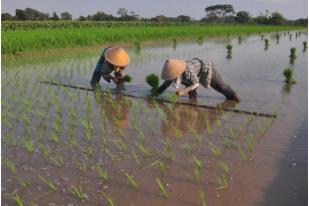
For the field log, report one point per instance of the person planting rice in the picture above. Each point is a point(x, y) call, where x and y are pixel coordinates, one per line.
point(192, 73)
point(113, 59)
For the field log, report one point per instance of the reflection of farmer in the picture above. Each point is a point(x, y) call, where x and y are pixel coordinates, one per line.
point(184, 117)
point(116, 110)
point(192, 73)
point(113, 59)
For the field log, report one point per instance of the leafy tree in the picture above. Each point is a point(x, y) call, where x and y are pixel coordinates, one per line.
point(242, 17)
point(125, 15)
point(260, 20)
point(55, 16)
point(82, 18)
point(277, 19)
point(101, 16)
point(6, 17)
point(20, 15)
point(218, 12)
point(66, 15)
point(160, 18)
point(183, 18)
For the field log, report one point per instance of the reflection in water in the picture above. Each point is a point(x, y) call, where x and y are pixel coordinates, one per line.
point(286, 88)
point(181, 119)
point(116, 108)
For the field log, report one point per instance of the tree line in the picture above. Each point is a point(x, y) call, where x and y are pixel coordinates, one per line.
point(222, 13)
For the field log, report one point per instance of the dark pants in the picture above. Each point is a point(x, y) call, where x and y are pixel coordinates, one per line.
point(219, 85)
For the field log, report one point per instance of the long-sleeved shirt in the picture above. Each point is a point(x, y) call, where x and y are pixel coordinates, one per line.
point(198, 71)
point(102, 71)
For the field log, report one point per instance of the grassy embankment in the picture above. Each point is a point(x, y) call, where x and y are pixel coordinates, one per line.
point(41, 39)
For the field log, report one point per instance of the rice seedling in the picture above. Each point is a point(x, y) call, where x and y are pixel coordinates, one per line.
point(87, 129)
point(305, 46)
point(131, 179)
point(239, 39)
point(80, 165)
point(277, 38)
point(57, 161)
point(188, 147)
point(224, 166)
point(214, 149)
point(243, 154)
point(135, 157)
point(266, 44)
point(109, 199)
point(120, 144)
point(127, 78)
point(174, 43)
point(54, 137)
point(28, 144)
point(78, 192)
point(18, 200)
point(222, 182)
point(23, 183)
point(293, 52)
point(153, 81)
point(172, 98)
point(48, 182)
point(102, 173)
point(198, 139)
point(262, 36)
point(10, 165)
point(137, 46)
point(143, 149)
point(229, 48)
point(288, 74)
point(290, 38)
point(202, 198)
point(162, 189)
point(8, 138)
point(197, 163)
point(200, 40)
point(249, 142)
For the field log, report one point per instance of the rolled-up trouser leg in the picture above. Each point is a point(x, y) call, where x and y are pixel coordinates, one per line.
point(219, 85)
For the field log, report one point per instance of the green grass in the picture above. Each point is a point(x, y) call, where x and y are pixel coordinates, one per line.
point(41, 39)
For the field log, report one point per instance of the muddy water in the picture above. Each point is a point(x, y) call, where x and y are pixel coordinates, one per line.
point(233, 159)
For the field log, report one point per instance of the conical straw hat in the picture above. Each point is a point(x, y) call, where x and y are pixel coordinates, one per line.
point(117, 56)
point(173, 68)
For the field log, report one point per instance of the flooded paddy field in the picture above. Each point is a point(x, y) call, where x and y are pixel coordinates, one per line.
point(66, 146)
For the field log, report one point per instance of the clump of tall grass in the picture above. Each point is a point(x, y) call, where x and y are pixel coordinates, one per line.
point(288, 74)
point(153, 81)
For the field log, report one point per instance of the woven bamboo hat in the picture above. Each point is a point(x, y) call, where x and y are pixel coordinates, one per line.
point(173, 68)
point(117, 56)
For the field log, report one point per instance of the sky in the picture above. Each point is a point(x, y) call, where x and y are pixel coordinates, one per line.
point(291, 9)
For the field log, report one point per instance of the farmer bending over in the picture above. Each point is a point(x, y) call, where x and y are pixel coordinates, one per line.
point(113, 59)
point(192, 73)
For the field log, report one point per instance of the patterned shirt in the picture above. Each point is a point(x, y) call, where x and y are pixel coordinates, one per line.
point(198, 71)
